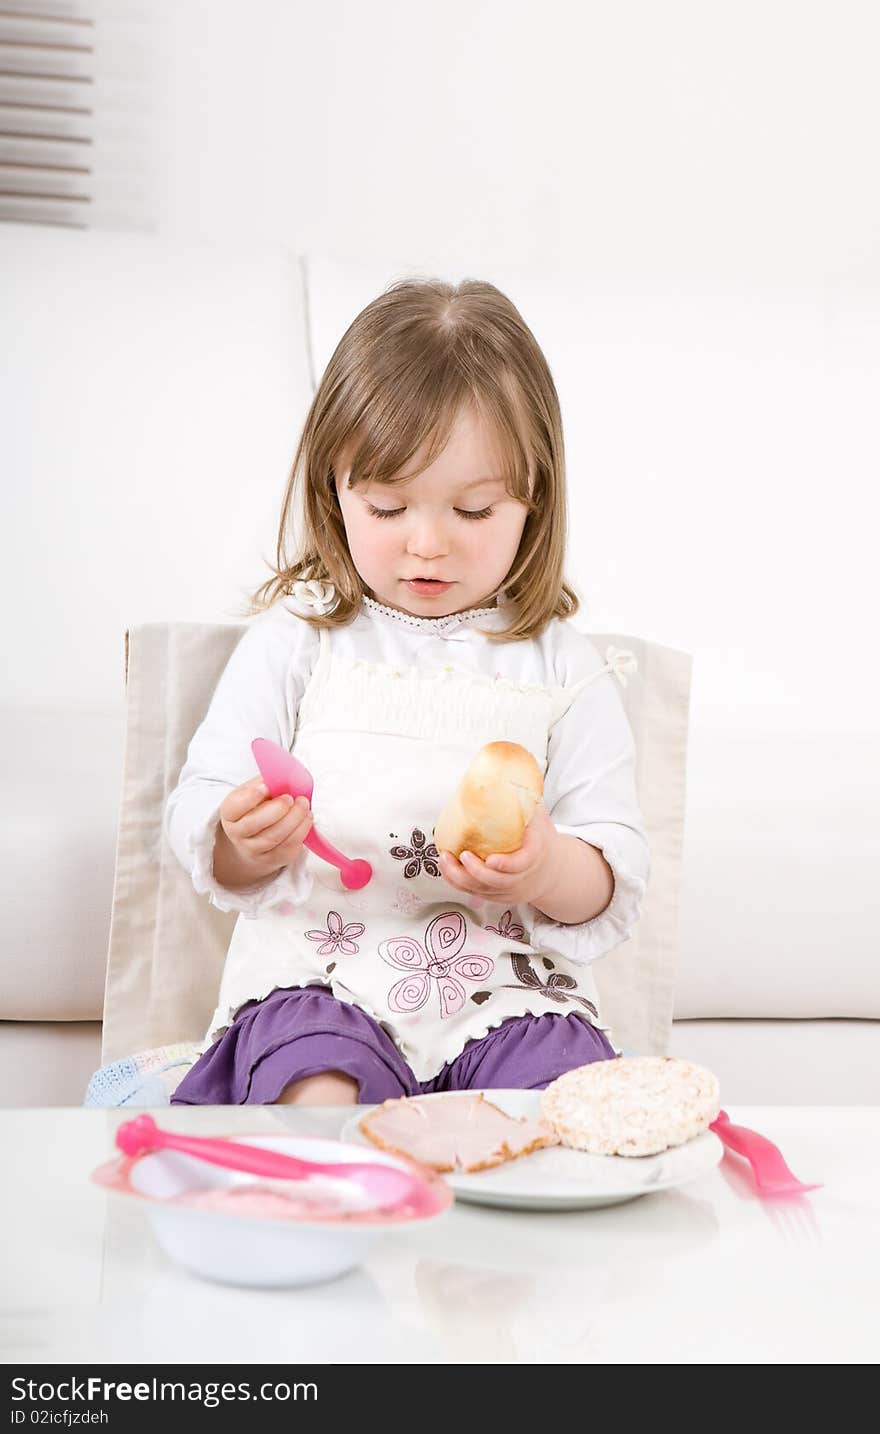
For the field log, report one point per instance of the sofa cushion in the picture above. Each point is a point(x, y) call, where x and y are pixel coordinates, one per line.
point(57, 847)
point(786, 1062)
point(780, 907)
point(47, 1062)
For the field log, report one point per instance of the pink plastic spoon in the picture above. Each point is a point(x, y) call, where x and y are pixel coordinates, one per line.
point(283, 773)
point(385, 1184)
point(772, 1175)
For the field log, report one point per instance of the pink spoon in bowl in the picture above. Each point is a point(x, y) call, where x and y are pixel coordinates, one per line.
point(386, 1184)
point(283, 773)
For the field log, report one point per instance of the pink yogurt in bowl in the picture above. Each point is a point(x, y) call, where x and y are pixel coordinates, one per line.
point(240, 1229)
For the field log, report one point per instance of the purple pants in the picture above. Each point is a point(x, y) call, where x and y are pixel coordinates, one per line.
point(304, 1031)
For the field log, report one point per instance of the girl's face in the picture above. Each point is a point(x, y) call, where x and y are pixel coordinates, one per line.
point(422, 528)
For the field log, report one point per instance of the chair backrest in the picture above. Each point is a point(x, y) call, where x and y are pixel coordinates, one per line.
point(167, 945)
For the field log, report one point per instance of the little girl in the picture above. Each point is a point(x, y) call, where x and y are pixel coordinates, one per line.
point(423, 615)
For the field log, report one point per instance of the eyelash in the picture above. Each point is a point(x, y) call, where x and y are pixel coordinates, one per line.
point(462, 512)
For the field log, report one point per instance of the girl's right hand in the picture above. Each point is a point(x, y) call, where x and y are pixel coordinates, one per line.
point(263, 833)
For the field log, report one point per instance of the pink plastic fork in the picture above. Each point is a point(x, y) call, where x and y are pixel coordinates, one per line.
point(772, 1175)
point(385, 1184)
point(283, 773)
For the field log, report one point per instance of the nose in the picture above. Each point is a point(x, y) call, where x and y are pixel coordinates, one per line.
point(427, 539)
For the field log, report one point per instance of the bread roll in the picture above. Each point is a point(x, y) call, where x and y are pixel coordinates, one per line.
point(494, 804)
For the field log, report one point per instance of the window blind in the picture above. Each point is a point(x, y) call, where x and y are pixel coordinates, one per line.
point(76, 113)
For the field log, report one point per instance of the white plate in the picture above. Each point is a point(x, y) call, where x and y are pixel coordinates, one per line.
point(561, 1179)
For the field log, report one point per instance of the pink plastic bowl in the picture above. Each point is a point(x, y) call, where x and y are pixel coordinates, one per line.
point(248, 1249)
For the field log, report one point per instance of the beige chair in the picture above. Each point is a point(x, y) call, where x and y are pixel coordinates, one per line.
point(167, 945)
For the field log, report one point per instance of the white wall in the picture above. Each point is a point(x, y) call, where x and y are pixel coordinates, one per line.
point(717, 145)
point(152, 393)
point(699, 175)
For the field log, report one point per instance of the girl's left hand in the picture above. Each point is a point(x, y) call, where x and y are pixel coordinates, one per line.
point(516, 876)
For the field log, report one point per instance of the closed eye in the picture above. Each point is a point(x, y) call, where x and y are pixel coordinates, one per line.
point(393, 512)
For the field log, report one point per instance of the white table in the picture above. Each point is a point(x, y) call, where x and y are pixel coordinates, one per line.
point(705, 1273)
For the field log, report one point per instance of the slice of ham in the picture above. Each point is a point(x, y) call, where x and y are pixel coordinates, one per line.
point(455, 1132)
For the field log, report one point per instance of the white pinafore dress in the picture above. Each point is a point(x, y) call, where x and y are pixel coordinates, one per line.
point(387, 747)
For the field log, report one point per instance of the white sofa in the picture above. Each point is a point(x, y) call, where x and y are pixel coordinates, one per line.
point(152, 395)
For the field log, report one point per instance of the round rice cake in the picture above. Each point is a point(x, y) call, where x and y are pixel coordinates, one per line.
point(634, 1105)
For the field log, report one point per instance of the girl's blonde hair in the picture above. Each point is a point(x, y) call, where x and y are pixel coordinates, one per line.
point(400, 376)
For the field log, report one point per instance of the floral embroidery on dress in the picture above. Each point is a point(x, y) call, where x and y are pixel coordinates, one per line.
point(418, 855)
point(438, 960)
point(508, 928)
point(558, 986)
point(337, 937)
